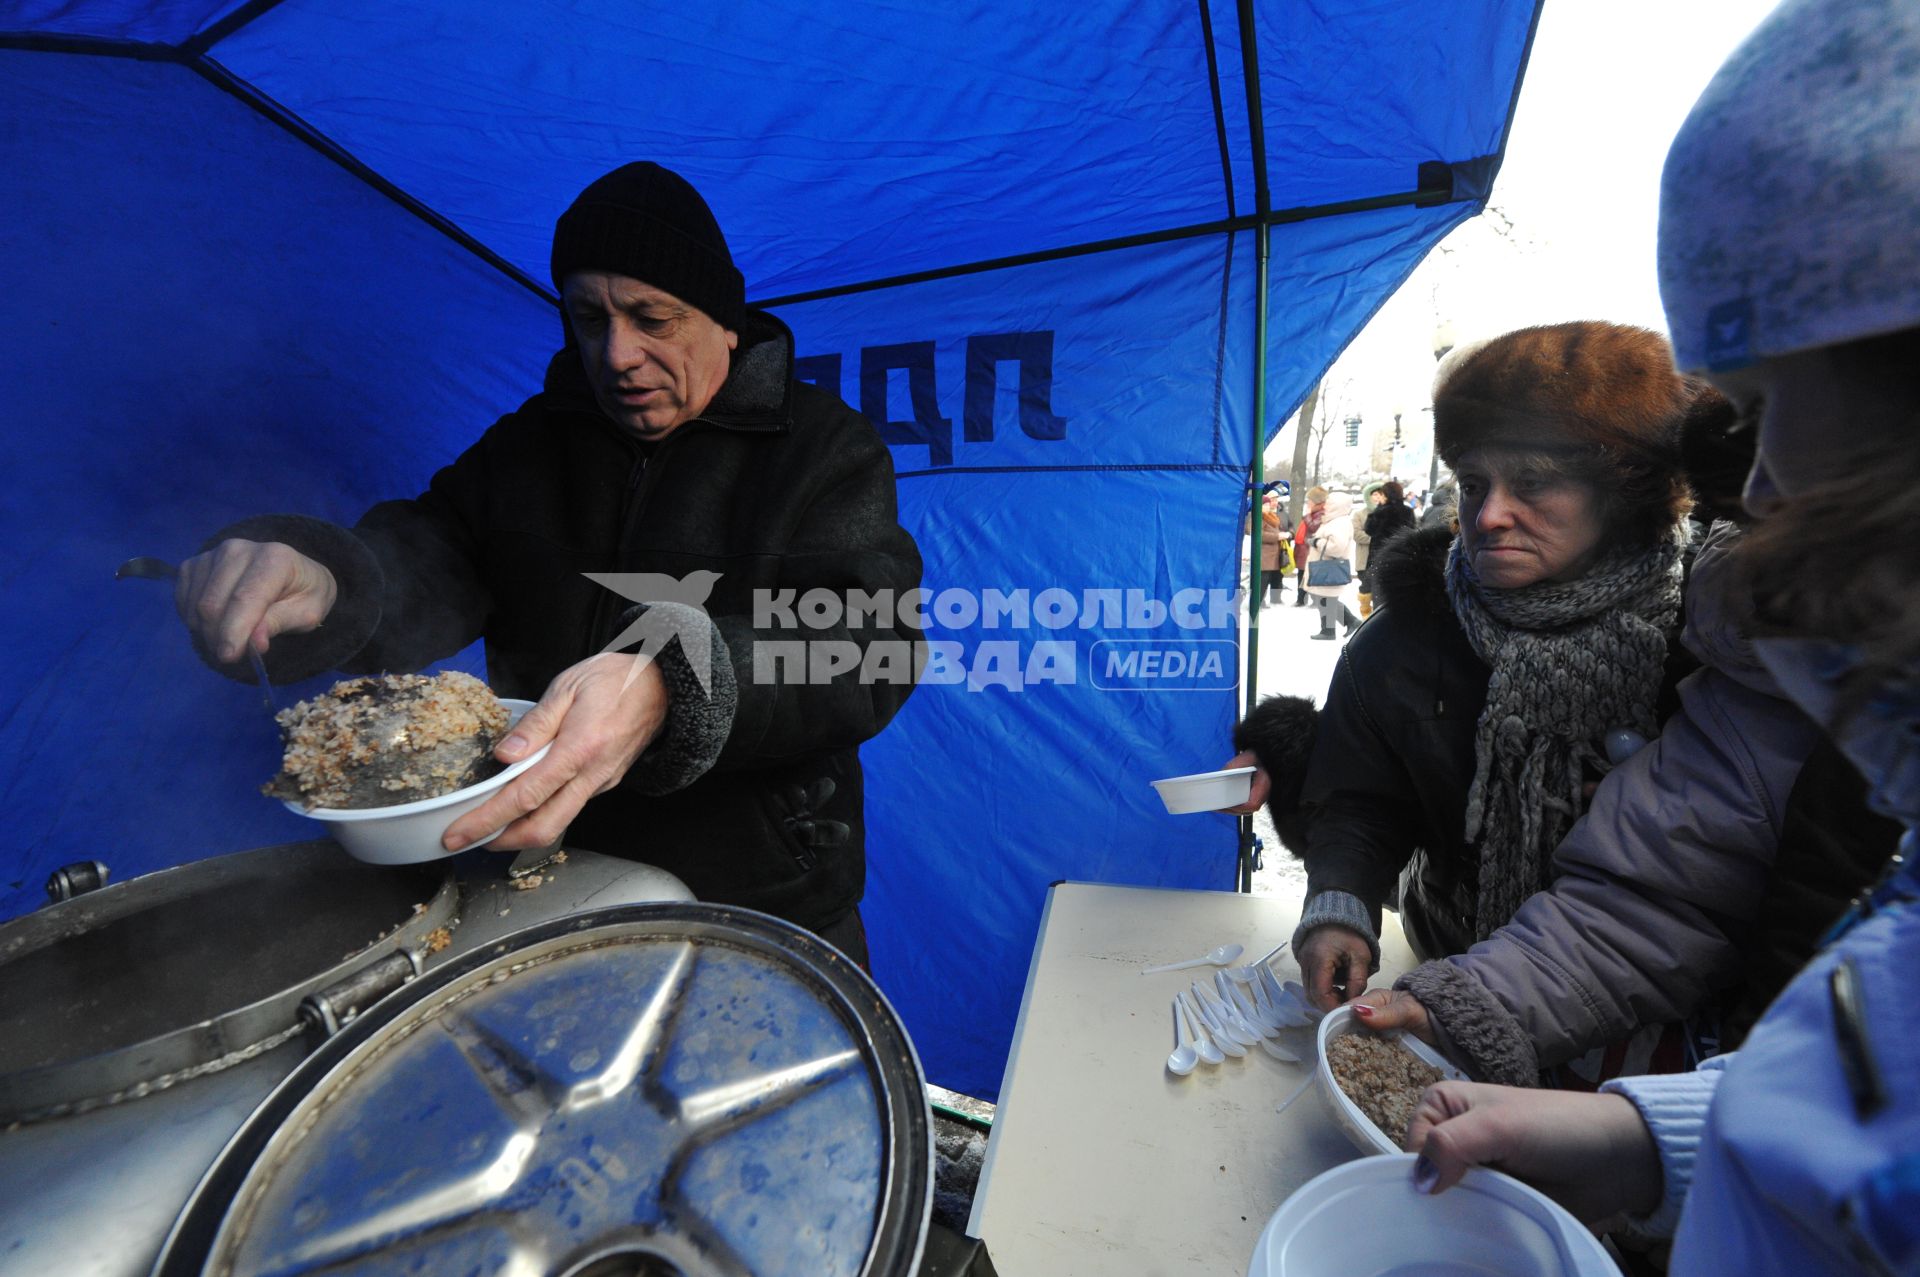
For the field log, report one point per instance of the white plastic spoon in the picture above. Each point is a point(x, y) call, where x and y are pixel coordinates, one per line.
point(1184, 1056)
point(1299, 996)
point(1218, 957)
point(1269, 1009)
point(1237, 998)
point(1298, 1091)
point(1209, 1053)
point(1288, 1010)
point(1227, 1017)
point(1223, 1037)
point(1251, 972)
point(1265, 1030)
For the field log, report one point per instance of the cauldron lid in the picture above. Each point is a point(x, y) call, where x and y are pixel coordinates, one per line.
point(663, 1088)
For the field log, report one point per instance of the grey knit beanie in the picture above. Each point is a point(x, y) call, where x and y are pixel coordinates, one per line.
point(1788, 204)
point(647, 222)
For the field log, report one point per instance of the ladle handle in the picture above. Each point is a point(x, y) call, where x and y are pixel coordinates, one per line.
point(147, 568)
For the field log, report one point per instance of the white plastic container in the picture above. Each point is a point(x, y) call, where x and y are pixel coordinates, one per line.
point(1205, 791)
point(408, 833)
point(1365, 1217)
point(1366, 1137)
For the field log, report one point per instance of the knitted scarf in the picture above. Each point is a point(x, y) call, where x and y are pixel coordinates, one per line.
point(1571, 661)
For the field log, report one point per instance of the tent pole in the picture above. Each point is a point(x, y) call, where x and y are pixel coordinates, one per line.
point(1256, 480)
point(1256, 464)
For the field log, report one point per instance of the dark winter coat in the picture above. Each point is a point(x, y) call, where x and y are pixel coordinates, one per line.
point(1442, 506)
point(1393, 756)
point(777, 487)
point(1387, 521)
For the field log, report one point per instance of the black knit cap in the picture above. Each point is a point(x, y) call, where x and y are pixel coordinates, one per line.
point(648, 223)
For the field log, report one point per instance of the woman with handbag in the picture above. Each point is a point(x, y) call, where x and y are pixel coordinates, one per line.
point(1330, 564)
point(1303, 533)
point(1469, 717)
point(1276, 559)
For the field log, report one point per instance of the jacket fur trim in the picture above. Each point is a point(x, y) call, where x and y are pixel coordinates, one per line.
point(1279, 731)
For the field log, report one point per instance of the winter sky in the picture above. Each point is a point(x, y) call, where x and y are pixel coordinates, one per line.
point(1571, 228)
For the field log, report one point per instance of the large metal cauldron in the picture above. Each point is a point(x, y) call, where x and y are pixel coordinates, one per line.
point(658, 1089)
point(495, 1079)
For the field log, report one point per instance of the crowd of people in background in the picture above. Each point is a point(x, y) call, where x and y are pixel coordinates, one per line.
point(1384, 510)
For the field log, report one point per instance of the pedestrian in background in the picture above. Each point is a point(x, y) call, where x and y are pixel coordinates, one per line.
point(1370, 500)
point(1302, 532)
point(1389, 517)
point(1330, 564)
point(1274, 543)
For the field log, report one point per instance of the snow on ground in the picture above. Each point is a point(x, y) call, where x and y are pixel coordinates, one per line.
point(1292, 663)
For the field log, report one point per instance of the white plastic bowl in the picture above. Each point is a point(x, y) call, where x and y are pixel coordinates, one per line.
point(1365, 1217)
point(408, 833)
point(1366, 1137)
point(1205, 791)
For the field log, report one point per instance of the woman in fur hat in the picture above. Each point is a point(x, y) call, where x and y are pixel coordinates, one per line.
point(1468, 720)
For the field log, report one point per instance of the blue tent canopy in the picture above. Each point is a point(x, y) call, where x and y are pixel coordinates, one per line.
point(291, 257)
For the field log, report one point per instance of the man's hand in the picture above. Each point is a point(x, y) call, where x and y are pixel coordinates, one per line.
point(243, 593)
point(1590, 1153)
point(1257, 796)
point(599, 721)
point(1384, 1010)
point(1331, 956)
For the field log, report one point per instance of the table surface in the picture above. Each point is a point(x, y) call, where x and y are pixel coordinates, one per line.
point(1103, 1162)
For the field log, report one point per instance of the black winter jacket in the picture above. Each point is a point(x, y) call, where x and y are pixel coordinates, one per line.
point(1393, 756)
point(777, 487)
point(1387, 521)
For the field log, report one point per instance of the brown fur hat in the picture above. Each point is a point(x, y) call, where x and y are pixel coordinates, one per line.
point(1607, 395)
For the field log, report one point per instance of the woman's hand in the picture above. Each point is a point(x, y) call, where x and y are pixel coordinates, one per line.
point(1334, 958)
point(1262, 783)
point(1590, 1153)
point(1384, 1010)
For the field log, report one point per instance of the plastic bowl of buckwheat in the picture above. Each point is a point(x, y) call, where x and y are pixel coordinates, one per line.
point(1371, 1082)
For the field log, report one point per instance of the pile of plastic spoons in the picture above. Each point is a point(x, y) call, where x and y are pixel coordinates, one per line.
point(1238, 1008)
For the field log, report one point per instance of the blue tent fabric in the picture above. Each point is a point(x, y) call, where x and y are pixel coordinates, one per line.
point(291, 257)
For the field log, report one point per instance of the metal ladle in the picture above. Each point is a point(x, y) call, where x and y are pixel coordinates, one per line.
point(146, 568)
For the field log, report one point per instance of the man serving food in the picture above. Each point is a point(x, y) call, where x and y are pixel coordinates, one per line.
point(670, 472)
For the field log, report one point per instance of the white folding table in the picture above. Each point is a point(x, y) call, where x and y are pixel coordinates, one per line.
point(1102, 1162)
